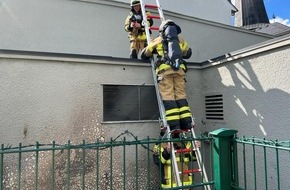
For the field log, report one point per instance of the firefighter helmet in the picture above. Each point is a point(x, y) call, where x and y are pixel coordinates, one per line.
point(135, 2)
point(166, 23)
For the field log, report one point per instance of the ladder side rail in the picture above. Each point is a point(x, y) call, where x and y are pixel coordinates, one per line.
point(145, 22)
point(173, 157)
point(159, 99)
point(160, 102)
point(174, 162)
point(160, 11)
point(199, 161)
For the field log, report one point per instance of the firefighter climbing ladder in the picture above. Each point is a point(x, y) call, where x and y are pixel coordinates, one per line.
point(160, 103)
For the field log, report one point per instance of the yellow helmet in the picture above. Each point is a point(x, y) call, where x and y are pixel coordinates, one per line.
point(135, 2)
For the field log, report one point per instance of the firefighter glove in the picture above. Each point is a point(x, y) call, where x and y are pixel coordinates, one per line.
point(188, 54)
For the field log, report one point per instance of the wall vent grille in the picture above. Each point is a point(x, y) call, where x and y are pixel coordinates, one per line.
point(214, 108)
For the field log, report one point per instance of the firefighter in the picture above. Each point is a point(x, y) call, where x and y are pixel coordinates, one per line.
point(162, 155)
point(135, 29)
point(171, 73)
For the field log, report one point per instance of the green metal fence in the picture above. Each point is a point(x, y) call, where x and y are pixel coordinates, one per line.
point(262, 164)
point(124, 164)
point(231, 163)
point(250, 163)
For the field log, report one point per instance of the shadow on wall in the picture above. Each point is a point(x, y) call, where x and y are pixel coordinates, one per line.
point(255, 111)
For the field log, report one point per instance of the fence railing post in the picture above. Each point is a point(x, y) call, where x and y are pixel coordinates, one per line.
point(222, 157)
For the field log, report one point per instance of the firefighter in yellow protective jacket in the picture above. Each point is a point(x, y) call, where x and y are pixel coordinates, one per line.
point(170, 69)
point(135, 29)
point(161, 157)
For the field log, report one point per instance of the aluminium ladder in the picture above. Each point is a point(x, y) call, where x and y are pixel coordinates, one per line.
point(161, 106)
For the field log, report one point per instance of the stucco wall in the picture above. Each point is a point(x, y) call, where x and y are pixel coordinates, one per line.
point(256, 93)
point(53, 98)
point(255, 88)
point(49, 98)
point(97, 28)
point(57, 99)
point(217, 11)
point(45, 98)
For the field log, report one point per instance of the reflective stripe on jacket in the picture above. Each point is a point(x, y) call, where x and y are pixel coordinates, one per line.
point(159, 149)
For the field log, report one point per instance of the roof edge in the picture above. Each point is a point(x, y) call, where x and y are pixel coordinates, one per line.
point(248, 51)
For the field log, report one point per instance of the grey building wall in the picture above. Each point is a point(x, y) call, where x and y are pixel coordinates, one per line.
point(256, 103)
point(49, 97)
point(45, 98)
point(217, 11)
point(52, 97)
point(254, 83)
point(97, 28)
point(58, 98)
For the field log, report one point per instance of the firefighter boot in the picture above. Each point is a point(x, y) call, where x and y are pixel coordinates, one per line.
point(174, 128)
point(133, 54)
point(187, 126)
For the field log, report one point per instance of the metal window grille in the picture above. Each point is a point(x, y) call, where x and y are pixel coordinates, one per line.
point(214, 109)
point(129, 103)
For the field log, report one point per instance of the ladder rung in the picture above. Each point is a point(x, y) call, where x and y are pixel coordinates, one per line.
point(183, 150)
point(151, 6)
point(191, 171)
point(180, 131)
point(154, 28)
point(153, 16)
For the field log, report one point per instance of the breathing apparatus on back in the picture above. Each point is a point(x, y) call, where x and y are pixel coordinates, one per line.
point(171, 49)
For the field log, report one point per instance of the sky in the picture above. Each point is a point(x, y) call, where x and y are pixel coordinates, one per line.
point(280, 9)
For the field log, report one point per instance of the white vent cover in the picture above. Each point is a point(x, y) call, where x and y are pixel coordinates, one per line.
point(214, 109)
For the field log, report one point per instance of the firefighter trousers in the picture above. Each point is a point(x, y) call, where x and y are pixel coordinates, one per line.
point(171, 85)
